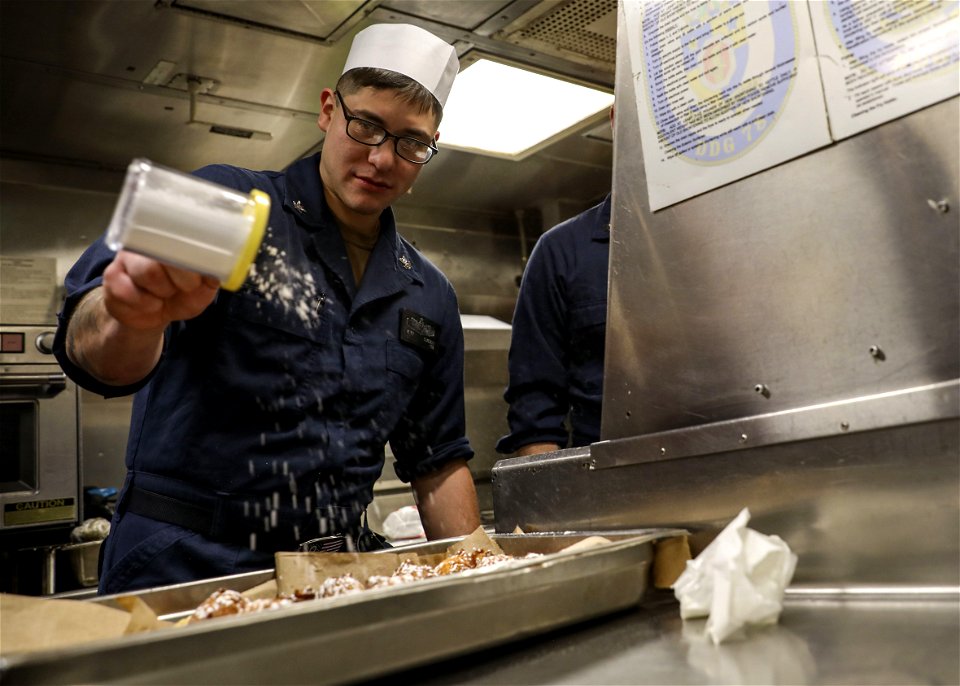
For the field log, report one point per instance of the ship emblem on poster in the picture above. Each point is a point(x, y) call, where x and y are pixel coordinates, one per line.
point(714, 90)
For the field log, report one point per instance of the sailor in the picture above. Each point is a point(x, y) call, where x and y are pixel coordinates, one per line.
point(260, 417)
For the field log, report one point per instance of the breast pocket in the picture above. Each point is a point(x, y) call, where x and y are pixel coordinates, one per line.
point(404, 368)
point(294, 317)
point(583, 318)
point(404, 362)
point(588, 334)
point(269, 351)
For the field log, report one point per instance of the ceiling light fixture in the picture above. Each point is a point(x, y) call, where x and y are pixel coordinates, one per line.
point(500, 110)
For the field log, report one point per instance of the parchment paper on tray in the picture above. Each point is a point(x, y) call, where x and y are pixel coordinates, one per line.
point(297, 571)
point(28, 623)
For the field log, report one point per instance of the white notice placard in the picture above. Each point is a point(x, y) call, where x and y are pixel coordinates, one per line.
point(724, 89)
point(885, 58)
point(29, 291)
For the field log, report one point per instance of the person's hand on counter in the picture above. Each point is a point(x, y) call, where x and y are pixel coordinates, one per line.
point(537, 449)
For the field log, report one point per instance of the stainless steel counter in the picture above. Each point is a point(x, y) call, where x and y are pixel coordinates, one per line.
point(857, 637)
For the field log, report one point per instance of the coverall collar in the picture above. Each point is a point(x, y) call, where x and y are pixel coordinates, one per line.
point(393, 261)
point(600, 229)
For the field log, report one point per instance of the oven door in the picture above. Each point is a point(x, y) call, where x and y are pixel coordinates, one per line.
point(40, 450)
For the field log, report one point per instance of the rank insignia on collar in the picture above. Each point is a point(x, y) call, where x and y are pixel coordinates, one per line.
point(405, 262)
point(298, 206)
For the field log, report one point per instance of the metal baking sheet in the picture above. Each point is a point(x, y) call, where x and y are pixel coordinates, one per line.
point(370, 634)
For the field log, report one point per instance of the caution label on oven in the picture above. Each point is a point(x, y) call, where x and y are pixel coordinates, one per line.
point(39, 511)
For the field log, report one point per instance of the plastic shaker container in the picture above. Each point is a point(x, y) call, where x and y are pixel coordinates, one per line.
point(189, 222)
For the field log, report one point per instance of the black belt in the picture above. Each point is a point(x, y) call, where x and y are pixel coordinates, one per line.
point(222, 521)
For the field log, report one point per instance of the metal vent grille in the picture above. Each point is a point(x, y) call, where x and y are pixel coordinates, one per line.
point(584, 27)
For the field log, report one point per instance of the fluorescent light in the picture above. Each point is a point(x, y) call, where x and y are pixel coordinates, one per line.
point(497, 109)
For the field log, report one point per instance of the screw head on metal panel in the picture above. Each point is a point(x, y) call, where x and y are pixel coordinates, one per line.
point(762, 390)
point(941, 206)
point(663, 451)
point(876, 353)
point(844, 426)
point(743, 438)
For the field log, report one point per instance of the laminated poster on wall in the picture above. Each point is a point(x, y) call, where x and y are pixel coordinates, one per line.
point(881, 60)
point(724, 90)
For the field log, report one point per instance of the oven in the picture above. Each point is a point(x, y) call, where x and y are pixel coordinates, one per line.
point(40, 458)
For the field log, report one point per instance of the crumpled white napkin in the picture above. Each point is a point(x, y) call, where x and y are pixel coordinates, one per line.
point(737, 580)
point(404, 525)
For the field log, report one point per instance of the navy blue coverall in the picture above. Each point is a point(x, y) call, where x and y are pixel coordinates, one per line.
point(557, 343)
point(269, 412)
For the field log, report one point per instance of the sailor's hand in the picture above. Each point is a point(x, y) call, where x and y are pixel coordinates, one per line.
point(144, 294)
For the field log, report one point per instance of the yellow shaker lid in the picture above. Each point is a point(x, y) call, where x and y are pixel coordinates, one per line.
point(259, 208)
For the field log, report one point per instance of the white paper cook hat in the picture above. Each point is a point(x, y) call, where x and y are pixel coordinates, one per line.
point(408, 50)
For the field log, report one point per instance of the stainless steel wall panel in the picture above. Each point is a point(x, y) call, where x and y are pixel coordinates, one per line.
point(785, 279)
point(789, 343)
point(874, 507)
point(906, 406)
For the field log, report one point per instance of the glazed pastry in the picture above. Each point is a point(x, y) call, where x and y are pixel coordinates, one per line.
point(224, 602)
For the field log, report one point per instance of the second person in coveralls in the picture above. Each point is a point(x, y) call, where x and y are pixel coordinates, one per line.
point(556, 363)
point(260, 417)
point(557, 344)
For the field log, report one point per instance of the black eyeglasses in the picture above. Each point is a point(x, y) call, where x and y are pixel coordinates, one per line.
point(368, 133)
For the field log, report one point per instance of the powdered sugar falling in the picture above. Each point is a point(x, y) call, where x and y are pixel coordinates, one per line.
point(278, 282)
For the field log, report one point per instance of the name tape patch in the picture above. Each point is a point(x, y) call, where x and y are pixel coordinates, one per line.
point(418, 331)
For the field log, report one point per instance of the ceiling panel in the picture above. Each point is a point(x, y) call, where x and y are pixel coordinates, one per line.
point(95, 83)
point(462, 15)
point(318, 19)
